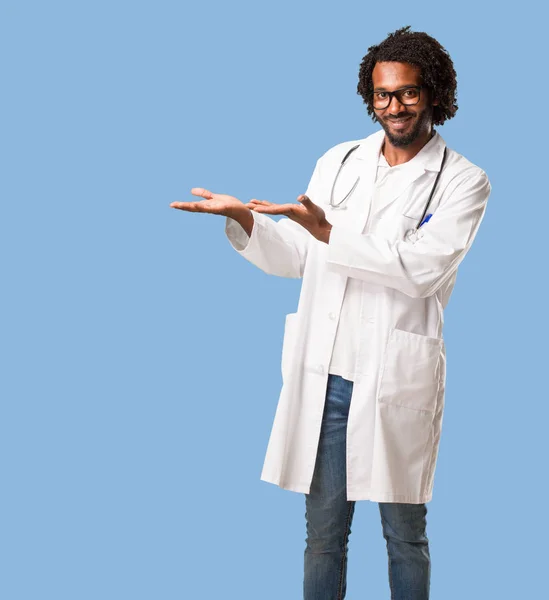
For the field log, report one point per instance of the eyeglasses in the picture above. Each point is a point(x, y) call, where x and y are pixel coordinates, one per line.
point(407, 96)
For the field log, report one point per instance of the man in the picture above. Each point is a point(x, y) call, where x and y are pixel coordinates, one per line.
point(363, 363)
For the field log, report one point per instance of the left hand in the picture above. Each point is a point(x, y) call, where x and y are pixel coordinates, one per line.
point(307, 214)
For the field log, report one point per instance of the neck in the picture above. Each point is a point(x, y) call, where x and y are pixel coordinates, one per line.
point(396, 155)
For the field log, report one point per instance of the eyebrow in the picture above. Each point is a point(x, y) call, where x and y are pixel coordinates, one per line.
point(382, 89)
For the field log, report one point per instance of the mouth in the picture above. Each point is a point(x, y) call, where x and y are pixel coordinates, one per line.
point(399, 123)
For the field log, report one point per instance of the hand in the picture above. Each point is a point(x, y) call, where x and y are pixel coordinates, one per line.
point(253, 203)
point(309, 215)
point(217, 204)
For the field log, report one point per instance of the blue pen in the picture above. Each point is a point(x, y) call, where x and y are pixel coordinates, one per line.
point(425, 220)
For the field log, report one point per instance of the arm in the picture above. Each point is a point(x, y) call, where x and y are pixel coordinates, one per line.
point(417, 268)
point(276, 247)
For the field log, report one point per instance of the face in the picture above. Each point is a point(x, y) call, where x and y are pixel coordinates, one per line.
point(403, 124)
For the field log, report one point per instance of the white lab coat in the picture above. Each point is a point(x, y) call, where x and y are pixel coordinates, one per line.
point(396, 410)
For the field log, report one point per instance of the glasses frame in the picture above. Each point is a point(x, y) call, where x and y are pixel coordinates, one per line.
point(396, 93)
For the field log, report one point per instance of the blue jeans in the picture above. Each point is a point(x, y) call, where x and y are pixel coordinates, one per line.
point(329, 515)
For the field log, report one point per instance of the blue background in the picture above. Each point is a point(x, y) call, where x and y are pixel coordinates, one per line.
point(141, 354)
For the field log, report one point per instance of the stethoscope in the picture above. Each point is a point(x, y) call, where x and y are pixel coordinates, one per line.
point(340, 206)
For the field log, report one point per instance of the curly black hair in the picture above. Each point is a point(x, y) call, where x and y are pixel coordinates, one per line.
point(419, 49)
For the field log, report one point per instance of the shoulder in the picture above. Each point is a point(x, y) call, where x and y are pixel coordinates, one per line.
point(462, 182)
point(460, 170)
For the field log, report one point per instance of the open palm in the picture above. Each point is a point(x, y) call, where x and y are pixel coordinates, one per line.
point(309, 215)
point(218, 204)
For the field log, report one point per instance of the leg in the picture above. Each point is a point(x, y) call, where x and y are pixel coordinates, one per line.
point(404, 528)
point(328, 513)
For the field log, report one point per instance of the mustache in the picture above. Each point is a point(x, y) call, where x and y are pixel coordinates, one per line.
point(401, 116)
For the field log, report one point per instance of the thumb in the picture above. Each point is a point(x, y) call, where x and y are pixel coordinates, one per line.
point(305, 200)
point(202, 192)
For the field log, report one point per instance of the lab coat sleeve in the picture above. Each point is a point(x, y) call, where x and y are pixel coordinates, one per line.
point(276, 247)
point(417, 267)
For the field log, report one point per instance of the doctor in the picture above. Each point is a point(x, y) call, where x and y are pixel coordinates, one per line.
point(377, 241)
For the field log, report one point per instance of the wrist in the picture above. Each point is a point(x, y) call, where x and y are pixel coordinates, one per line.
point(325, 235)
point(244, 217)
point(238, 212)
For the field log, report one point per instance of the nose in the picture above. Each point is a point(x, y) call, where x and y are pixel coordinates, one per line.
point(395, 107)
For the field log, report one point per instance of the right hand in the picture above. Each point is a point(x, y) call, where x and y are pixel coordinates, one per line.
point(254, 202)
point(217, 204)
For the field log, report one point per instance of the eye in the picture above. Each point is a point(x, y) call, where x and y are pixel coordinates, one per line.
point(410, 93)
point(380, 95)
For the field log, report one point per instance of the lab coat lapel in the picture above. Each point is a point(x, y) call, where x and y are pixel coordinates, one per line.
point(363, 163)
point(388, 196)
point(428, 159)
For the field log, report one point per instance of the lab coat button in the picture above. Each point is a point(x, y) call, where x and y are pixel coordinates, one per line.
point(332, 316)
point(320, 369)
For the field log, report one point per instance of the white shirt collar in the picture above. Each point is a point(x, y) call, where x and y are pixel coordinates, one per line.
point(423, 156)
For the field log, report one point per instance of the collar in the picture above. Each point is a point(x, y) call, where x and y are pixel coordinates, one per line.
point(429, 157)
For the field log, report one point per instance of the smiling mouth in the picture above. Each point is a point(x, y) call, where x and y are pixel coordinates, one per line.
point(399, 123)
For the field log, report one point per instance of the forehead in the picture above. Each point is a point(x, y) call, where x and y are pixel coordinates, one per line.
point(393, 75)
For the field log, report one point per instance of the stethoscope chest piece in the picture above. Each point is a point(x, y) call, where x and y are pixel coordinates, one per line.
point(411, 235)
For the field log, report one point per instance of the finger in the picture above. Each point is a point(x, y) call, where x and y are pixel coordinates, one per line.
point(253, 203)
point(305, 200)
point(275, 209)
point(202, 192)
point(189, 206)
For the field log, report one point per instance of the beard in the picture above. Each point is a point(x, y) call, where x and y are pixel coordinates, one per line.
point(401, 140)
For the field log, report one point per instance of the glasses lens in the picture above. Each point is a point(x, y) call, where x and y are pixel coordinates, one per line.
point(380, 100)
point(407, 96)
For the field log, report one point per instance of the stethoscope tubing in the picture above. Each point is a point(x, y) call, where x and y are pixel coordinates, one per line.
point(335, 181)
point(358, 179)
point(432, 189)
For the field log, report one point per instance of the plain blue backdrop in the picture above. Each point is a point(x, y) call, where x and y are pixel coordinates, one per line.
point(141, 354)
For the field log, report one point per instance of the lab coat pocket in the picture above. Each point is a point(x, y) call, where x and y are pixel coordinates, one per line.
point(391, 227)
point(410, 375)
point(288, 343)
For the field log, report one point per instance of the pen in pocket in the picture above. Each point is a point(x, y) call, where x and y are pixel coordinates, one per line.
point(427, 217)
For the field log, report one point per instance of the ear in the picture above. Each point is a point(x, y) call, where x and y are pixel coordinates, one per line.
point(435, 101)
